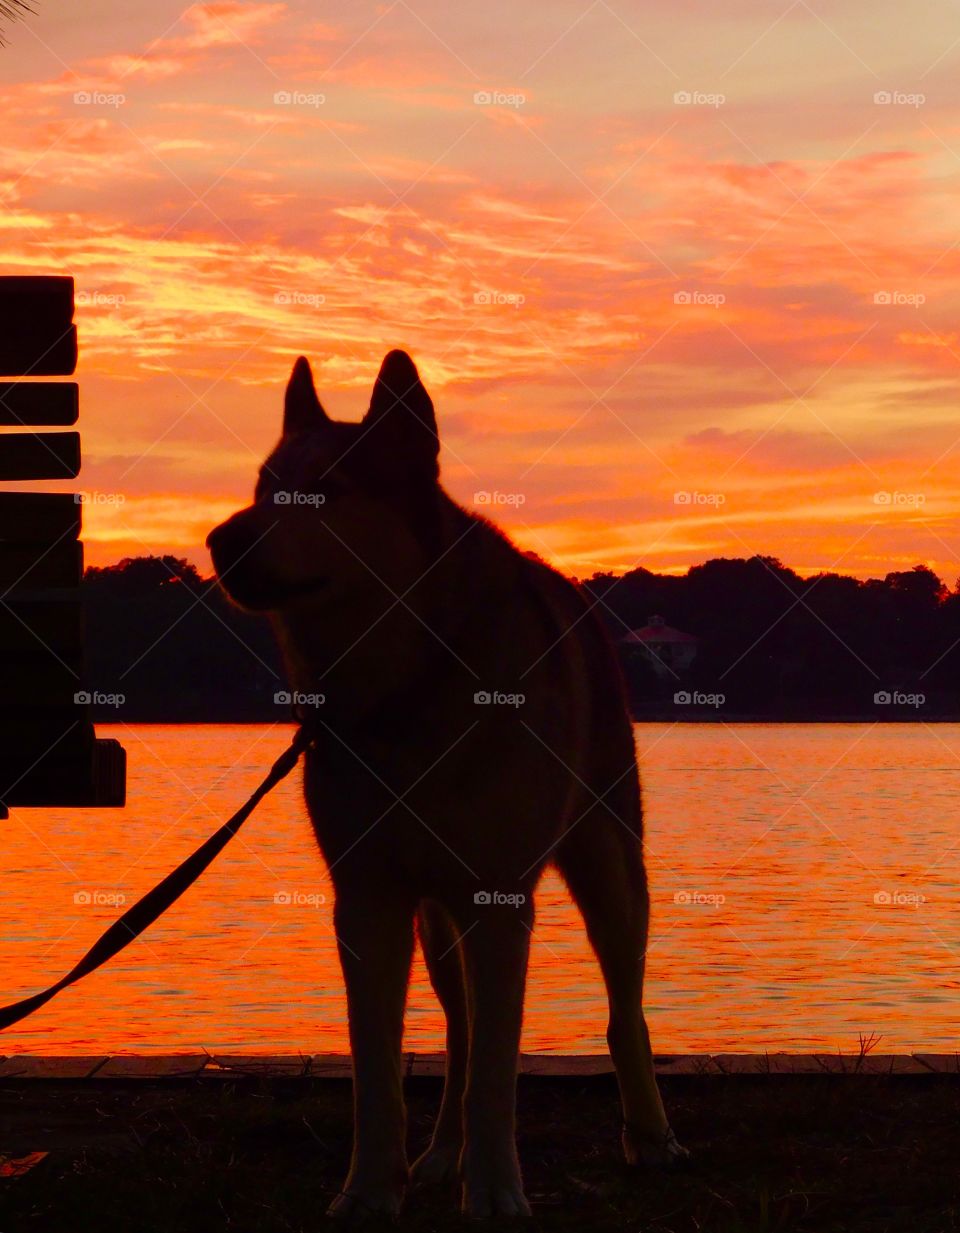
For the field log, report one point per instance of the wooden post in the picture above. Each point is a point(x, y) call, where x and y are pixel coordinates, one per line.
point(49, 752)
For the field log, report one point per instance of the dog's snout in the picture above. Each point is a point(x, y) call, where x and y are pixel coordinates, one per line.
point(230, 541)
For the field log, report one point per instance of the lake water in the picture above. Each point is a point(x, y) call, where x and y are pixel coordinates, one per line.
point(805, 885)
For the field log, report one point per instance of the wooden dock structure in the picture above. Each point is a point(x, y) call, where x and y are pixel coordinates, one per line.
point(49, 751)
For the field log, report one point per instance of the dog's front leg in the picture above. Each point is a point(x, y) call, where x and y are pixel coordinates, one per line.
point(495, 950)
point(375, 939)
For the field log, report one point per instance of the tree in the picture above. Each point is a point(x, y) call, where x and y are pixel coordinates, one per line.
point(12, 9)
point(171, 643)
point(777, 645)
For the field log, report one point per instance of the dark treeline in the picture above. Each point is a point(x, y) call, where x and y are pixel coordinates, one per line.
point(169, 644)
point(771, 644)
point(775, 645)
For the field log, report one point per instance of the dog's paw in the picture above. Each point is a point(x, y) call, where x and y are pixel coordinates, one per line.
point(496, 1203)
point(439, 1164)
point(497, 1195)
point(657, 1151)
point(352, 1208)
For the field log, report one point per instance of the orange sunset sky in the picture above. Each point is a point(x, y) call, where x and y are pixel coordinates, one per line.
point(635, 248)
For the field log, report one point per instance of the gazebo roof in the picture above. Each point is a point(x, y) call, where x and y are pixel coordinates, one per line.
point(657, 630)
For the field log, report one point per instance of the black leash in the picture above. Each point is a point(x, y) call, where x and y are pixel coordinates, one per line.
point(146, 910)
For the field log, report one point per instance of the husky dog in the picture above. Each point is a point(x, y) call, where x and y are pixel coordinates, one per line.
point(473, 730)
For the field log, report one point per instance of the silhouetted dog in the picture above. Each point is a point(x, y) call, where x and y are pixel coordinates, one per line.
point(472, 729)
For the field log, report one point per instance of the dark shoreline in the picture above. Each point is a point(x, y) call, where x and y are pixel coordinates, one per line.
point(663, 717)
point(666, 717)
point(813, 1153)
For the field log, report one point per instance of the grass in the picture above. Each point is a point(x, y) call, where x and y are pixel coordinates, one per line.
point(860, 1154)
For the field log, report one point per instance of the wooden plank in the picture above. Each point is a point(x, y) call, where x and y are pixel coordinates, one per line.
point(51, 786)
point(267, 1066)
point(28, 517)
point(29, 567)
point(30, 734)
point(77, 771)
point(39, 402)
point(59, 777)
point(36, 679)
point(28, 352)
point(939, 1063)
point(426, 1065)
point(34, 625)
point(687, 1064)
point(36, 334)
point(51, 1067)
point(780, 1063)
point(160, 1066)
point(109, 774)
point(892, 1064)
point(331, 1066)
point(552, 1064)
point(39, 455)
point(44, 298)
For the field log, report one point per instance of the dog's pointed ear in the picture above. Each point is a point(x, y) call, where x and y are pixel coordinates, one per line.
point(401, 406)
point(301, 406)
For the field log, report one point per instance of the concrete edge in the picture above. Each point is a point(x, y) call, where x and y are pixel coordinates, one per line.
point(213, 1066)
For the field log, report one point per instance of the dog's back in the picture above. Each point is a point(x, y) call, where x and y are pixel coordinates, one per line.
point(507, 724)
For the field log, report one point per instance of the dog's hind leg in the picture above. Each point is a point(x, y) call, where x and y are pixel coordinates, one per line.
point(375, 936)
point(496, 944)
point(440, 940)
point(601, 860)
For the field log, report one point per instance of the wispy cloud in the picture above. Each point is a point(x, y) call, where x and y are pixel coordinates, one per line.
point(725, 262)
